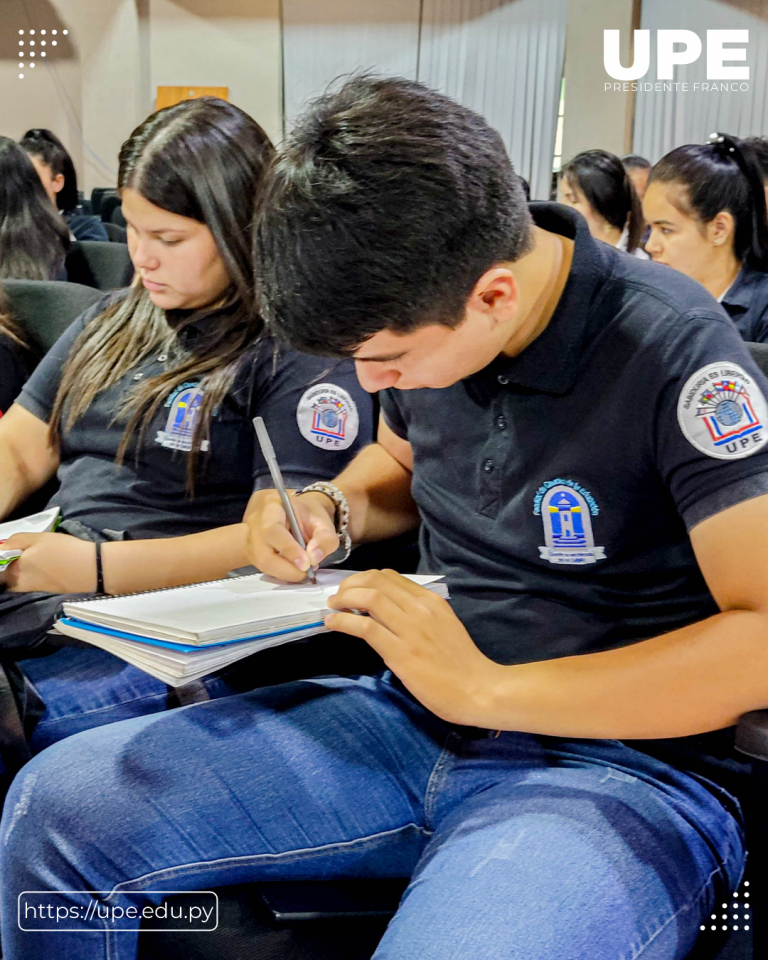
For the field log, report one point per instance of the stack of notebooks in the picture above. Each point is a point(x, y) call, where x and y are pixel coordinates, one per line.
point(185, 633)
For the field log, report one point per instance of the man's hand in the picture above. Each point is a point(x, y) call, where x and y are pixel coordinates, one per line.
point(52, 562)
point(420, 639)
point(270, 544)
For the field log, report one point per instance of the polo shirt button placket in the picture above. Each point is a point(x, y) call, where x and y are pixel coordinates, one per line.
point(488, 466)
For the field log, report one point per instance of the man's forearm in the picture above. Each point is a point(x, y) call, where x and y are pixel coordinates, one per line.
point(134, 565)
point(696, 679)
point(378, 489)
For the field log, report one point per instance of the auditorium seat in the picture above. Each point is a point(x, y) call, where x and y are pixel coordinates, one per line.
point(100, 263)
point(45, 308)
point(109, 203)
point(116, 233)
point(97, 196)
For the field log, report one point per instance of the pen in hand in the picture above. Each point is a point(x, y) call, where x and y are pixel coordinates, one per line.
point(277, 478)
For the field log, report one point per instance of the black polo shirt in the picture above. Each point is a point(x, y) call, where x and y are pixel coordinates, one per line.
point(746, 302)
point(556, 487)
point(317, 414)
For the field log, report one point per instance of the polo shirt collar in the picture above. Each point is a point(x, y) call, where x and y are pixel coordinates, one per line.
point(551, 363)
point(741, 291)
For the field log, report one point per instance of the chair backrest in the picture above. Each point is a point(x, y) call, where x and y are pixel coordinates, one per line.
point(116, 233)
point(109, 203)
point(45, 308)
point(97, 195)
point(100, 263)
point(117, 216)
point(759, 352)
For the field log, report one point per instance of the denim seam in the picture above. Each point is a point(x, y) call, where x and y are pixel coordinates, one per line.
point(289, 855)
point(683, 909)
point(111, 706)
point(304, 853)
point(438, 771)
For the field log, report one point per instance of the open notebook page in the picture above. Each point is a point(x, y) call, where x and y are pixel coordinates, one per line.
point(220, 609)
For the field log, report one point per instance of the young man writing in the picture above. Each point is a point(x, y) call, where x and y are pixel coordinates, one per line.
point(582, 437)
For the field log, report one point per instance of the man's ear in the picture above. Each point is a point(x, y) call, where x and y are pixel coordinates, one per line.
point(57, 182)
point(721, 228)
point(496, 294)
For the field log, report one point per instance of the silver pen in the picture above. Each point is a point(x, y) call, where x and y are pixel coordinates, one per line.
point(277, 478)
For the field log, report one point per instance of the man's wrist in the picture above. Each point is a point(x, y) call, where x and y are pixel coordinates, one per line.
point(325, 500)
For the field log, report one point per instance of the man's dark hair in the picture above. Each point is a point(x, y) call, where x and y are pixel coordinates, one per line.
point(632, 161)
point(386, 205)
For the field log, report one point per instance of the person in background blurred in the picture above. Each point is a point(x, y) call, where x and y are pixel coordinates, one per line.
point(16, 357)
point(596, 184)
point(760, 146)
point(706, 206)
point(33, 239)
point(57, 173)
point(638, 169)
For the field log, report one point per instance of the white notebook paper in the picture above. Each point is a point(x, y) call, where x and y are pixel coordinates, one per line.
point(185, 633)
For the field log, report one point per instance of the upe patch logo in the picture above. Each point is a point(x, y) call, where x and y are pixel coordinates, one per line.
point(568, 537)
point(722, 412)
point(327, 416)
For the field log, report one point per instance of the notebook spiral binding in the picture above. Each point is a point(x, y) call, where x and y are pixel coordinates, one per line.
point(184, 586)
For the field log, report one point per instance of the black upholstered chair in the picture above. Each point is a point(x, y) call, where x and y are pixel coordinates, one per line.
point(45, 308)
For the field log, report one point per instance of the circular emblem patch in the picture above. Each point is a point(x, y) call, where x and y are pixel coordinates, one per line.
point(722, 411)
point(327, 417)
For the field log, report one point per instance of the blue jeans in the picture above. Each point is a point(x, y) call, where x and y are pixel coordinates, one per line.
point(519, 847)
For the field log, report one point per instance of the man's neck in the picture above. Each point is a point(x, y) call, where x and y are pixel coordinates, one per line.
point(541, 276)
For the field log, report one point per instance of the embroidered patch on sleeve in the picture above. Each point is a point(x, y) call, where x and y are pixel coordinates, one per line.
point(722, 412)
point(327, 416)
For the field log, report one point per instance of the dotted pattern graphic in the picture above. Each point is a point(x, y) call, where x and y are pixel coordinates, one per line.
point(32, 44)
point(738, 913)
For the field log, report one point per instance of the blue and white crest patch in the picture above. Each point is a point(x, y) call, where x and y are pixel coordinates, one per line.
point(327, 416)
point(566, 509)
point(184, 404)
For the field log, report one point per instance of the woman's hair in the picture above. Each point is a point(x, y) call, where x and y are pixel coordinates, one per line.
point(608, 189)
point(33, 237)
point(203, 159)
point(8, 326)
point(722, 175)
point(45, 145)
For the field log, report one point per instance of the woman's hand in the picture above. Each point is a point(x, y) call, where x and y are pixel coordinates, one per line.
point(421, 640)
point(270, 544)
point(51, 562)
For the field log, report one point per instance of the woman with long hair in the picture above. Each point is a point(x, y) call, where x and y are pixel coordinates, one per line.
point(16, 356)
point(33, 237)
point(144, 409)
point(597, 185)
point(57, 174)
point(706, 207)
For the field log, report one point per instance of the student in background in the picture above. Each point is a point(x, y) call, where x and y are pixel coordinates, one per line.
point(707, 211)
point(760, 146)
point(33, 239)
point(16, 356)
point(144, 409)
point(57, 174)
point(638, 169)
point(596, 184)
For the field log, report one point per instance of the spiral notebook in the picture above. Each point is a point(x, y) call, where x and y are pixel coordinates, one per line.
point(185, 633)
